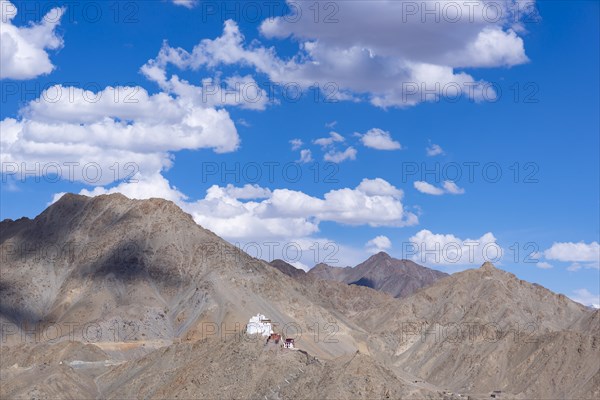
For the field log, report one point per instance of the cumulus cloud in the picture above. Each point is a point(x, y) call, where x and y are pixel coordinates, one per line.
point(296, 144)
point(136, 133)
point(379, 187)
point(378, 243)
point(23, 52)
point(305, 156)
point(404, 30)
point(279, 213)
point(280, 223)
point(452, 188)
point(448, 249)
point(109, 134)
point(144, 187)
point(434, 150)
point(581, 255)
point(388, 61)
point(574, 252)
point(247, 192)
point(544, 265)
point(379, 139)
point(236, 90)
point(339, 156)
point(428, 188)
point(448, 187)
point(325, 142)
point(400, 52)
point(585, 297)
point(493, 47)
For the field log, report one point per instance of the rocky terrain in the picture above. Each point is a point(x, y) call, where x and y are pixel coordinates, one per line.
point(288, 269)
point(108, 297)
point(398, 278)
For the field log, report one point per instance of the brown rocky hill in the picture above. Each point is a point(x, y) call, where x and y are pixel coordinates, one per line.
point(146, 270)
point(398, 278)
point(288, 269)
point(485, 329)
point(108, 297)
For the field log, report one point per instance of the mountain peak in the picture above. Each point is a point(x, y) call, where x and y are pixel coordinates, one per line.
point(382, 255)
point(70, 203)
point(488, 266)
point(322, 266)
point(382, 272)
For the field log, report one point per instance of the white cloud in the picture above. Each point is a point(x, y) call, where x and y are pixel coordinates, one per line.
point(360, 57)
point(247, 192)
point(493, 47)
point(121, 131)
point(236, 90)
point(331, 124)
point(378, 244)
point(452, 188)
point(574, 252)
point(379, 139)
point(145, 187)
point(305, 156)
point(448, 187)
point(434, 150)
point(243, 122)
point(584, 297)
point(284, 223)
point(23, 49)
point(379, 187)
point(574, 267)
point(427, 188)
point(85, 127)
point(339, 156)
point(544, 265)
point(185, 3)
point(280, 213)
point(400, 43)
point(325, 142)
point(404, 30)
point(300, 265)
point(296, 144)
point(333, 155)
point(447, 249)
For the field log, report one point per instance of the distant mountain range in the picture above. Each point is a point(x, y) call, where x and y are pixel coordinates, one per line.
point(398, 278)
point(108, 297)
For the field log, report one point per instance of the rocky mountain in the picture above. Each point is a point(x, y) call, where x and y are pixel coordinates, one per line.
point(109, 297)
point(485, 328)
point(398, 278)
point(288, 269)
point(147, 268)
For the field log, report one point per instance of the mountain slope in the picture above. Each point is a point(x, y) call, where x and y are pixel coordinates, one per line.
point(485, 329)
point(398, 278)
point(156, 307)
point(288, 269)
point(146, 269)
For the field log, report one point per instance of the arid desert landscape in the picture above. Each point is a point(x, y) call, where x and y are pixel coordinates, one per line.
point(133, 299)
point(299, 200)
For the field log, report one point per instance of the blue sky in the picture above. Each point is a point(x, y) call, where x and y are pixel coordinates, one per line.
point(528, 109)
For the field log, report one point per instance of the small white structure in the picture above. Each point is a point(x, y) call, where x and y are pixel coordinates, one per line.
point(289, 344)
point(259, 324)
